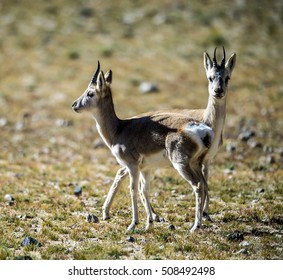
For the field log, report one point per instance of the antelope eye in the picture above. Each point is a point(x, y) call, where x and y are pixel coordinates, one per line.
point(210, 79)
point(90, 94)
point(226, 80)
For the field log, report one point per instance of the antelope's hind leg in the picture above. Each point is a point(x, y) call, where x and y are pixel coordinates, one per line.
point(206, 194)
point(193, 175)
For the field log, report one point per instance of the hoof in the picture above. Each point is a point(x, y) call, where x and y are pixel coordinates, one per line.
point(156, 218)
point(132, 227)
point(105, 216)
point(194, 228)
point(148, 225)
point(207, 217)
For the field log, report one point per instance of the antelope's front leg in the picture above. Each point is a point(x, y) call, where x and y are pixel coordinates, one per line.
point(134, 184)
point(120, 175)
point(206, 194)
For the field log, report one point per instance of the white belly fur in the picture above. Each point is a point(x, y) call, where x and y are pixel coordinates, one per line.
point(157, 160)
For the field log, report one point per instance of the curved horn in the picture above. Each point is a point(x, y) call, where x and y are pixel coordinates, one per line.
point(224, 58)
point(94, 77)
point(214, 58)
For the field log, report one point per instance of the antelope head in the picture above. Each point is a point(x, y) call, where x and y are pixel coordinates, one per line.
point(218, 75)
point(95, 92)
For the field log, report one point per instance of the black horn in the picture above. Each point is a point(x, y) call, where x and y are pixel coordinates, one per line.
point(224, 58)
point(214, 58)
point(94, 77)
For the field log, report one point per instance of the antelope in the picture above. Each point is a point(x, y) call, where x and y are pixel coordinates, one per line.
point(213, 116)
point(143, 142)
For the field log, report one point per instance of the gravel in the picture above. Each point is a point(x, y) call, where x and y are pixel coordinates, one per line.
point(30, 241)
point(235, 236)
point(78, 191)
point(148, 87)
point(131, 239)
point(9, 199)
point(91, 218)
point(246, 135)
point(171, 227)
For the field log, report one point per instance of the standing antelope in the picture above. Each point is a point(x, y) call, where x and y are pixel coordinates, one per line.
point(213, 116)
point(143, 142)
point(218, 76)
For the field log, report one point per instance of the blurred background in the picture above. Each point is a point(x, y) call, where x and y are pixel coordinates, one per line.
point(49, 51)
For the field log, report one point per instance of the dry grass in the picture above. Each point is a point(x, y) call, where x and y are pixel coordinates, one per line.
point(49, 50)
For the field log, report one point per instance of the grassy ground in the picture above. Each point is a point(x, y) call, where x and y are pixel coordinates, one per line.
point(49, 50)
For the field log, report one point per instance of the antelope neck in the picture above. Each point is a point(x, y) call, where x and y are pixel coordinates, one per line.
point(106, 119)
point(214, 116)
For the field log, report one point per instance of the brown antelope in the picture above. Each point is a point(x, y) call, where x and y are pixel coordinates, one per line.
point(148, 141)
point(213, 116)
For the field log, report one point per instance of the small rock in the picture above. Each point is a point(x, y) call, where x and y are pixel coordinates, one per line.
point(24, 217)
point(235, 236)
point(9, 199)
point(132, 17)
point(19, 125)
point(268, 149)
point(64, 123)
point(3, 122)
point(86, 12)
point(254, 144)
point(246, 135)
point(18, 175)
point(229, 171)
point(244, 244)
point(231, 148)
point(159, 19)
point(255, 201)
point(242, 251)
point(270, 159)
point(92, 218)
point(260, 190)
point(30, 241)
point(157, 194)
point(148, 87)
point(131, 239)
point(78, 191)
point(172, 227)
point(73, 54)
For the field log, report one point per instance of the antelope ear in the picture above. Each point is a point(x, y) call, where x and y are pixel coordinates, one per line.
point(108, 77)
point(100, 82)
point(207, 62)
point(231, 62)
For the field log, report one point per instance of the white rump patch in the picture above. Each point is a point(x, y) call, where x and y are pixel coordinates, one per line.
point(199, 132)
